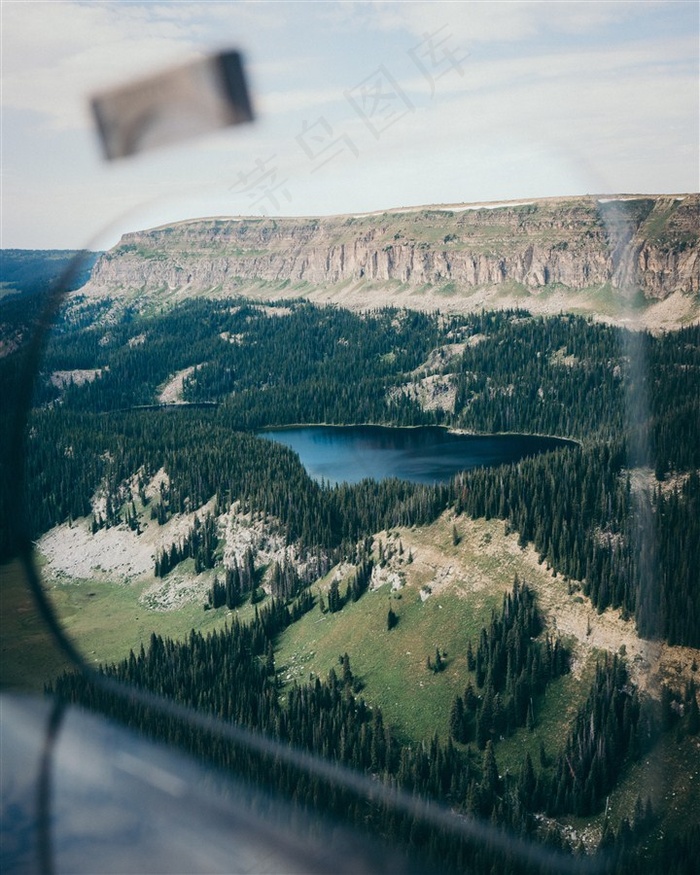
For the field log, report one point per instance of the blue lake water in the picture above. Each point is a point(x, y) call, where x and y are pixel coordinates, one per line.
point(430, 454)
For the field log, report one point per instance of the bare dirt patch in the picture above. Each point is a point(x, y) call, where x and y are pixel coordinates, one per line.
point(435, 392)
point(236, 339)
point(485, 561)
point(171, 393)
point(120, 555)
point(273, 311)
point(117, 553)
point(263, 537)
point(442, 356)
point(76, 377)
point(175, 591)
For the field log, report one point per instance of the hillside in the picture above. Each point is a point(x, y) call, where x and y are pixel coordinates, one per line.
point(623, 258)
point(156, 510)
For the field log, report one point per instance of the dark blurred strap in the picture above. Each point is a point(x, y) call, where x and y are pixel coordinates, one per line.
point(43, 801)
point(235, 87)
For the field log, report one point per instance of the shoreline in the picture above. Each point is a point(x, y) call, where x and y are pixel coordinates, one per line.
point(448, 429)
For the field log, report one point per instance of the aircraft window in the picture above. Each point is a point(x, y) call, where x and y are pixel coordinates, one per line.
point(156, 429)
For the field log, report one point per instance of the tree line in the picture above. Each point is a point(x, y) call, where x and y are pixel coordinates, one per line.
point(511, 670)
point(581, 509)
point(232, 674)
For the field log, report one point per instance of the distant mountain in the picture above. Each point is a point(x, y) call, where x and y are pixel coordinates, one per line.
point(621, 257)
point(30, 270)
point(25, 276)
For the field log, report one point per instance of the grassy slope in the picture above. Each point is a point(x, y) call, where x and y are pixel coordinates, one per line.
point(28, 656)
point(467, 580)
point(416, 702)
point(105, 619)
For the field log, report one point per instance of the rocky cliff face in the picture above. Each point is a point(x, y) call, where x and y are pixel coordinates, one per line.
point(629, 245)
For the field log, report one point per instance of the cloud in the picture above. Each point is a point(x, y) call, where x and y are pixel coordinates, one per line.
point(482, 21)
point(56, 55)
point(553, 98)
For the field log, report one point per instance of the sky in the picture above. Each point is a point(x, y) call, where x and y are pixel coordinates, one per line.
point(360, 106)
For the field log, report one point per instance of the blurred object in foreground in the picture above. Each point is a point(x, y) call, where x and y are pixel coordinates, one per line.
point(178, 104)
point(81, 794)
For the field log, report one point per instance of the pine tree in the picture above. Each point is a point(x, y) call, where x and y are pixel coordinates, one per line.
point(527, 783)
point(270, 660)
point(693, 716)
point(457, 721)
point(490, 782)
point(334, 600)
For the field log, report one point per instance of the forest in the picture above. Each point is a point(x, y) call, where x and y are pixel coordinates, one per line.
point(233, 676)
point(620, 512)
point(631, 400)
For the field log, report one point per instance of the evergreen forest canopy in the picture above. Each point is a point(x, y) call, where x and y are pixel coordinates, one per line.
point(631, 400)
point(233, 675)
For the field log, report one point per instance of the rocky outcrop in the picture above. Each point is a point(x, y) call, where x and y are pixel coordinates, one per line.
point(646, 244)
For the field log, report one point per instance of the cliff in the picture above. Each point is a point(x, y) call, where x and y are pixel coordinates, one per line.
point(611, 253)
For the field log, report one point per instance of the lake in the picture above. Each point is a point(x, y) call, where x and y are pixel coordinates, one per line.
point(427, 454)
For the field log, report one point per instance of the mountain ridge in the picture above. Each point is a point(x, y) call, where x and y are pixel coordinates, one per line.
point(615, 256)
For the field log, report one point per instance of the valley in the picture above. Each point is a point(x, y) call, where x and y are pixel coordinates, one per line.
point(184, 552)
point(93, 570)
